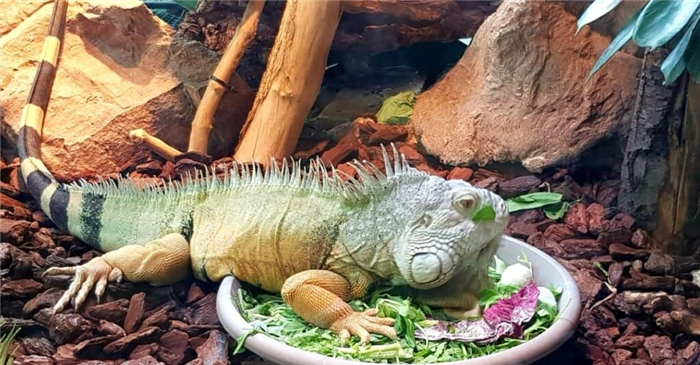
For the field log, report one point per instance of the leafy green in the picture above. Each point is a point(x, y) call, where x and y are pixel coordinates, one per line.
point(616, 44)
point(532, 201)
point(190, 5)
point(5, 356)
point(661, 20)
point(674, 64)
point(270, 315)
point(397, 109)
point(485, 214)
point(600, 267)
point(594, 11)
point(556, 211)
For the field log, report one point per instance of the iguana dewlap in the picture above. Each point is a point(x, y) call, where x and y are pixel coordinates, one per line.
point(314, 237)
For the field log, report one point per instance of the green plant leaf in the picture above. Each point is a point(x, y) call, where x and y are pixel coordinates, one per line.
point(661, 20)
point(618, 42)
point(190, 5)
point(397, 109)
point(597, 9)
point(556, 211)
point(532, 201)
point(486, 213)
point(674, 64)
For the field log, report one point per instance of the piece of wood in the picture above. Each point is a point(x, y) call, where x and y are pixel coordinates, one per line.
point(155, 144)
point(645, 165)
point(678, 223)
point(291, 80)
point(245, 33)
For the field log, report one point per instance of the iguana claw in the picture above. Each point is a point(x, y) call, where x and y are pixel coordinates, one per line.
point(361, 324)
point(95, 273)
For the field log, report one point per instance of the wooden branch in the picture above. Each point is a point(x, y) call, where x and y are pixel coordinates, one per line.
point(291, 80)
point(245, 33)
point(155, 144)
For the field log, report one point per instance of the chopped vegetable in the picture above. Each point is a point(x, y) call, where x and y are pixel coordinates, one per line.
point(512, 314)
point(397, 109)
point(517, 275)
point(532, 201)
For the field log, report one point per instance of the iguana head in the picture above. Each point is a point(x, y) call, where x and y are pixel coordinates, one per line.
point(450, 224)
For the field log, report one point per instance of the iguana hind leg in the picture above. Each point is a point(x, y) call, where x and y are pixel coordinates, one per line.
point(160, 262)
point(319, 297)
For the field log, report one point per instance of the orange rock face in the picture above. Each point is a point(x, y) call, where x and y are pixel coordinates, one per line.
point(520, 94)
point(119, 70)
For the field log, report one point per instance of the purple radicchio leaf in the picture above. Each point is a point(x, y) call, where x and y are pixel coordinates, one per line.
point(518, 309)
point(503, 319)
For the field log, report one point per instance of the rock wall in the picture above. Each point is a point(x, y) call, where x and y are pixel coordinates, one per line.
point(119, 70)
point(520, 94)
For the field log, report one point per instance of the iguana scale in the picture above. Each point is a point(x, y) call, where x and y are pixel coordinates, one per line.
point(315, 238)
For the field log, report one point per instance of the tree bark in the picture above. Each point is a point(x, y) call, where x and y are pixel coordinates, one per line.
point(291, 80)
point(245, 33)
point(678, 224)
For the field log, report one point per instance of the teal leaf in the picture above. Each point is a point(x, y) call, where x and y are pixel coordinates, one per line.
point(661, 20)
point(397, 109)
point(693, 63)
point(532, 201)
point(486, 213)
point(190, 5)
point(617, 43)
point(674, 64)
point(597, 9)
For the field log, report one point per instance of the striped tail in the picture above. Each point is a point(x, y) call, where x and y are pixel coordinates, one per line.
point(52, 196)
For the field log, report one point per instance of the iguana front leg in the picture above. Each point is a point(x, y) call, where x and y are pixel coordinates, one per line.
point(160, 262)
point(320, 297)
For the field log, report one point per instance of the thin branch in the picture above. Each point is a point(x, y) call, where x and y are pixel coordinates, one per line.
point(245, 33)
point(155, 144)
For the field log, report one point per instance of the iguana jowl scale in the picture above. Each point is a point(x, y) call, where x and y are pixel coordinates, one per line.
point(317, 239)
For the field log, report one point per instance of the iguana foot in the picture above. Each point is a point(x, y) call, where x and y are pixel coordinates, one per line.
point(361, 324)
point(96, 273)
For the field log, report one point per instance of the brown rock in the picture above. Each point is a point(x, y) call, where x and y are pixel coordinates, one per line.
point(636, 362)
point(157, 317)
point(92, 347)
point(65, 328)
point(582, 248)
point(215, 349)
point(152, 167)
point(641, 239)
point(659, 348)
point(558, 232)
point(344, 150)
point(20, 289)
point(14, 231)
point(490, 183)
point(37, 346)
point(44, 300)
point(457, 122)
point(621, 355)
point(134, 314)
point(549, 247)
point(588, 285)
point(19, 210)
point(413, 157)
point(203, 312)
point(176, 341)
point(128, 83)
point(194, 294)
point(147, 360)
point(596, 218)
point(648, 283)
point(111, 311)
point(142, 351)
point(615, 272)
point(577, 218)
point(460, 173)
point(110, 329)
point(518, 186)
point(64, 355)
point(631, 343)
point(33, 360)
point(691, 353)
point(621, 252)
point(144, 335)
point(660, 264)
point(613, 332)
point(385, 134)
point(615, 235)
point(441, 173)
point(310, 149)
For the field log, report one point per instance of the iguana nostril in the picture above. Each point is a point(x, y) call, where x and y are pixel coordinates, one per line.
point(425, 268)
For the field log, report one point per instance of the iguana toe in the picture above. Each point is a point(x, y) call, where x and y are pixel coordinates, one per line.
point(95, 273)
point(362, 324)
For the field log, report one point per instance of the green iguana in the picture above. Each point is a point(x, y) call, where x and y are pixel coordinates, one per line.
point(313, 237)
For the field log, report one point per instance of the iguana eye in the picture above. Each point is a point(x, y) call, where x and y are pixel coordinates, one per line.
point(424, 220)
point(465, 203)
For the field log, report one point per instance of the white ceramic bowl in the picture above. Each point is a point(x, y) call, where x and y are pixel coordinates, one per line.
point(546, 272)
